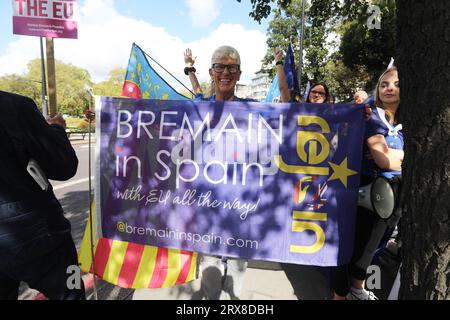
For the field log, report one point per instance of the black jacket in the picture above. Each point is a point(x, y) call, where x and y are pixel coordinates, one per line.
point(31, 220)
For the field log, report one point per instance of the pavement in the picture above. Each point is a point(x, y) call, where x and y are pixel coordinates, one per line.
point(278, 281)
point(262, 281)
point(77, 139)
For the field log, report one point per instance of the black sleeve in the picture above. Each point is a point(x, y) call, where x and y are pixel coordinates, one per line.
point(47, 144)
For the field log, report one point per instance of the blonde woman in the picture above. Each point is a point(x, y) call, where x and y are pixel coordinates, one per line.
point(384, 141)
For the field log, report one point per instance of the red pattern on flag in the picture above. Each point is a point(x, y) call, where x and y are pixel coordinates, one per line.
point(130, 265)
point(102, 256)
point(186, 262)
point(161, 266)
point(131, 90)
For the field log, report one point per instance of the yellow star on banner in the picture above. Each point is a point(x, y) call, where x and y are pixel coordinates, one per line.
point(341, 172)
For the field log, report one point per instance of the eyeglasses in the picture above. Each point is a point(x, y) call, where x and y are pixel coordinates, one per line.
point(318, 93)
point(219, 67)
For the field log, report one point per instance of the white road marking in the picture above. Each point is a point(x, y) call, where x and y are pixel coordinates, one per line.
point(72, 183)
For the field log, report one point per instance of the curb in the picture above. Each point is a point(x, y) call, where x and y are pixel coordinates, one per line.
point(76, 142)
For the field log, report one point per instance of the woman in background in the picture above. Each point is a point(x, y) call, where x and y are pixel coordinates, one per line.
point(384, 141)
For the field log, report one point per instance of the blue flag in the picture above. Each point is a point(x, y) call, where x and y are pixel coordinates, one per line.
point(274, 93)
point(291, 77)
point(290, 70)
point(142, 81)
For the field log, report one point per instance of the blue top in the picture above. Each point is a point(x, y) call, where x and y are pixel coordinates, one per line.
point(378, 124)
point(370, 101)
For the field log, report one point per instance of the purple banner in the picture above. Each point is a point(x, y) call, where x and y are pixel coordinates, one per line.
point(45, 18)
point(276, 182)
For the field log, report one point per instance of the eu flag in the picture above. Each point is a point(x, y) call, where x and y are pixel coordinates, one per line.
point(143, 82)
point(290, 70)
point(291, 77)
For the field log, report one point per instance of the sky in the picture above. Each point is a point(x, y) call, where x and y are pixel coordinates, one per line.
point(163, 29)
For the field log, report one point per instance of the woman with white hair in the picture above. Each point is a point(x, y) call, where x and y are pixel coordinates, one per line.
point(225, 72)
point(221, 277)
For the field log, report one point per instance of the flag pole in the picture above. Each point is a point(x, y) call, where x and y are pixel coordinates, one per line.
point(166, 70)
point(302, 31)
point(43, 81)
point(91, 231)
point(51, 76)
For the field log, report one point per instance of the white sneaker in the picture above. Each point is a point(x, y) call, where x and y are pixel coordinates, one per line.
point(360, 294)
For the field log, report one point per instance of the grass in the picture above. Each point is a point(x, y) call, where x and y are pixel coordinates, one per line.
point(74, 122)
point(79, 125)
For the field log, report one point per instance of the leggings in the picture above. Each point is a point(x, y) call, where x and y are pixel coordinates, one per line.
point(342, 275)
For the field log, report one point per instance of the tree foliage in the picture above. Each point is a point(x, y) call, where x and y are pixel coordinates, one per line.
point(372, 49)
point(338, 46)
point(22, 85)
point(113, 86)
point(71, 80)
point(70, 87)
point(344, 81)
point(285, 28)
point(261, 8)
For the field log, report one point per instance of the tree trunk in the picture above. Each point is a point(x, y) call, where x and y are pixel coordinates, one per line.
point(424, 68)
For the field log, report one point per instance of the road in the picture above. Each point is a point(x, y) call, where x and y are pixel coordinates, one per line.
point(74, 193)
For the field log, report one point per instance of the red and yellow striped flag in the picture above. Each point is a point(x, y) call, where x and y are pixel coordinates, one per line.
point(131, 265)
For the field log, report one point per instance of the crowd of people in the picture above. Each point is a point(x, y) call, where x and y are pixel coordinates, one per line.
point(35, 241)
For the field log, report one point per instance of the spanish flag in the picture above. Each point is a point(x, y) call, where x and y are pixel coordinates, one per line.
point(136, 266)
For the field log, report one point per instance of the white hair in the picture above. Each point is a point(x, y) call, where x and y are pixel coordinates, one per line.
point(226, 52)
